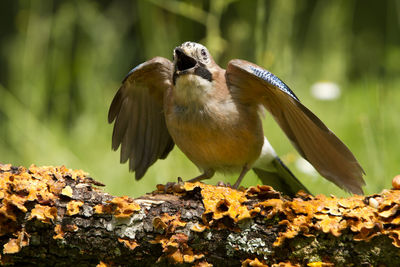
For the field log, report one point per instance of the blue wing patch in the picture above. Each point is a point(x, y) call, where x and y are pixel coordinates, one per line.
point(272, 79)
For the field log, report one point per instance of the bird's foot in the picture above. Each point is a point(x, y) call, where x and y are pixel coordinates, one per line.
point(206, 175)
point(221, 183)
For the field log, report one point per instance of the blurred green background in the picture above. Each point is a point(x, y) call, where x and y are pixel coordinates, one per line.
point(61, 62)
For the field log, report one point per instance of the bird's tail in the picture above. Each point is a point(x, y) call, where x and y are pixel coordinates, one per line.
point(272, 171)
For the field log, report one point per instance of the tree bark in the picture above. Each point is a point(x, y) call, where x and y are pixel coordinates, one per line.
point(54, 216)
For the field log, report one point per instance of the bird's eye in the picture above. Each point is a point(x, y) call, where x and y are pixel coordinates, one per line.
point(203, 52)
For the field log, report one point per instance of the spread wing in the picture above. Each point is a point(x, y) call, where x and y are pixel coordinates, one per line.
point(314, 141)
point(137, 110)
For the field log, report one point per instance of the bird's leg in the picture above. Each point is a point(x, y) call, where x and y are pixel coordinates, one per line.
point(240, 178)
point(206, 175)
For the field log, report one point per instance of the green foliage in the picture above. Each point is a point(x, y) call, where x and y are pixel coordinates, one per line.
point(61, 62)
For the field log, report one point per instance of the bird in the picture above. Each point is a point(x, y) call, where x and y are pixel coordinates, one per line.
point(214, 116)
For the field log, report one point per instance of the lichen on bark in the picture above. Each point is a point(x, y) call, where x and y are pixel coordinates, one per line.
point(57, 216)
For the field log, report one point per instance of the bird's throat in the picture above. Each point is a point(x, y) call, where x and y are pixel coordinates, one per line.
point(192, 90)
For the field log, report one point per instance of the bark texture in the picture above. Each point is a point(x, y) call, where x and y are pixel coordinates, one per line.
point(54, 216)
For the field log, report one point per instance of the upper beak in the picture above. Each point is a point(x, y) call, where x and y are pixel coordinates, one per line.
point(183, 61)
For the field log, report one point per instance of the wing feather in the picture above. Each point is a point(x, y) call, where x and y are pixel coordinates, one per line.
point(309, 135)
point(137, 109)
point(121, 123)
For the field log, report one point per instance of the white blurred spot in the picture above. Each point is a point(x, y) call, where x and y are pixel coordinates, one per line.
point(325, 91)
point(305, 167)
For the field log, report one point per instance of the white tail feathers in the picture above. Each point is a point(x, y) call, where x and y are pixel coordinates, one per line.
point(268, 154)
point(272, 171)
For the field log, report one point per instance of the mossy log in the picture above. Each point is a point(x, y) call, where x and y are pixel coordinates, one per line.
point(54, 216)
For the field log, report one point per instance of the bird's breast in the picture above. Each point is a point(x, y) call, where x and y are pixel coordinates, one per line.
point(198, 102)
point(210, 127)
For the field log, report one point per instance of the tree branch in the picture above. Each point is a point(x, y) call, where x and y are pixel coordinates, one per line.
point(55, 216)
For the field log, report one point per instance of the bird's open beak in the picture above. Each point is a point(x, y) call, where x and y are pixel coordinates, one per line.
point(182, 61)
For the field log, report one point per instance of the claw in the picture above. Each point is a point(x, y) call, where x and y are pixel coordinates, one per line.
point(174, 187)
point(221, 183)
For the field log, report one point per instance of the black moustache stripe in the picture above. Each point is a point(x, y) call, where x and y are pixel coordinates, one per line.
point(174, 76)
point(204, 73)
point(199, 71)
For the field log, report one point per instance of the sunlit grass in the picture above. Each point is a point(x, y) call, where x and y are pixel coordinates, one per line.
point(366, 124)
point(65, 66)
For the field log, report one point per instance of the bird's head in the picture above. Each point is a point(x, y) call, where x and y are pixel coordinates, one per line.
point(193, 58)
